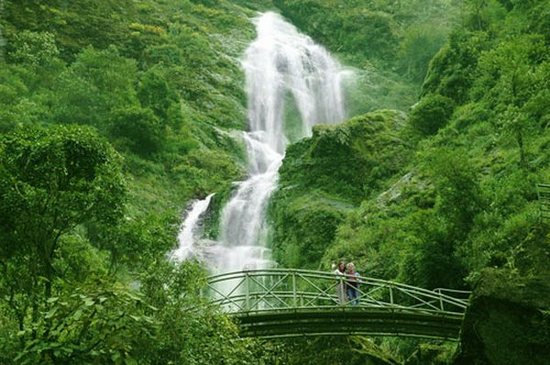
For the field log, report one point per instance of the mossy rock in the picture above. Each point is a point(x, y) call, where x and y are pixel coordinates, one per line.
point(326, 176)
point(347, 160)
point(304, 228)
point(508, 321)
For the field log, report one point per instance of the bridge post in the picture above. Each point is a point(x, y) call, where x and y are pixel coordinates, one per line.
point(294, 294)
point(247, 293)
point(543, 193)
point(391, 294)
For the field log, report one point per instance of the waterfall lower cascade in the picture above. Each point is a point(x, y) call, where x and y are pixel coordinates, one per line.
point(282, 67)
point(189, 231)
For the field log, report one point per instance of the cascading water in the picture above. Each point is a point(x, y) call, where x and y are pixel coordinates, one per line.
point(188, 233)
point(280, 65)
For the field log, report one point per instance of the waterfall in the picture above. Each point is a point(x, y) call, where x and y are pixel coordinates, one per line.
point(281, 67)
point(188, 233)
point(280, 64)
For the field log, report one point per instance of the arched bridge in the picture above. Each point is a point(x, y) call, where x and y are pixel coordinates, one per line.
point(286, 303)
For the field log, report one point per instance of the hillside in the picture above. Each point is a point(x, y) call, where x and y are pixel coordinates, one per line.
point(115, 115)
point(125, 110)
point(449, 197)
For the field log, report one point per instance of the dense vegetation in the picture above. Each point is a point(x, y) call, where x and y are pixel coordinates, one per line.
point(460, 177)
point(115, 113)
point(438, 200)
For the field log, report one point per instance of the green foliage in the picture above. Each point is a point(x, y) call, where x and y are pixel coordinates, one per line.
point(69, 329)
point(347, 160)
point(328, 350)
point(95, 85)
point(458, 194)
point(108, 72)
point(431, 260)
point(433, 354)
point(33, 49)
point(78, 284)
point(451, 71)
point(12, 90)
point(75, 24)
point(414, 231)
point(200, 336)
point(359, 28)
point(304, 227)
point(53, 180)
point(151, 323)
point(161, 81)
point(420, 43)
point(137, 242)
point(431, 114)
point(509, 71)
point(322, 178)
point(155, 93)
point(139, 129)
point(460, 203)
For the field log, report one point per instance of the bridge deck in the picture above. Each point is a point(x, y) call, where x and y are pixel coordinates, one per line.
point(372, 322)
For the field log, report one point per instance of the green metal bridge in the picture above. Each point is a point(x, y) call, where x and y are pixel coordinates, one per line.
point(543, 192)
point(276, 303)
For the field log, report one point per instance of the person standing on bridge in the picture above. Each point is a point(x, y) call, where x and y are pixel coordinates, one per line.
point(340, 285)
point(352, 284)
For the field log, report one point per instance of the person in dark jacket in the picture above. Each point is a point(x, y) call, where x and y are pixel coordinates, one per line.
point(352, 284)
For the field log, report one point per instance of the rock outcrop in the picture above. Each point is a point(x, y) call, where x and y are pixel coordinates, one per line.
point(508, 321)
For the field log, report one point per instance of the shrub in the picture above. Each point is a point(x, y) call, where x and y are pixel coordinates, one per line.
point(139, 130)
point(431, 114)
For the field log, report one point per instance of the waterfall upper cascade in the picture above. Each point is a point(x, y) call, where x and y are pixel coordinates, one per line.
point(280, 65)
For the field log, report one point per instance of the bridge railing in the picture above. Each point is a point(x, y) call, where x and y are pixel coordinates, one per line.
point(256, 291)
point(543, 192)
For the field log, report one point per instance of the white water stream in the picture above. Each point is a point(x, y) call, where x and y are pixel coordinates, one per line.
point(189, 230)
point(280, 65)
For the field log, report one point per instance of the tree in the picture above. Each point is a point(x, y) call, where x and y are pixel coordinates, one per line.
point(458, 193)
point(33, 49)
point(155, 93)
point(139, 129)
point(95, 85)
point(430, 259)
point(512, 74)
point(52, 180)
point(452, 70)
point(105, 323)
point(420, 43)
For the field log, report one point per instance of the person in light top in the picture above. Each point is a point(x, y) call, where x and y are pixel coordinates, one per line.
point(352, 284)
point(340, 271)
